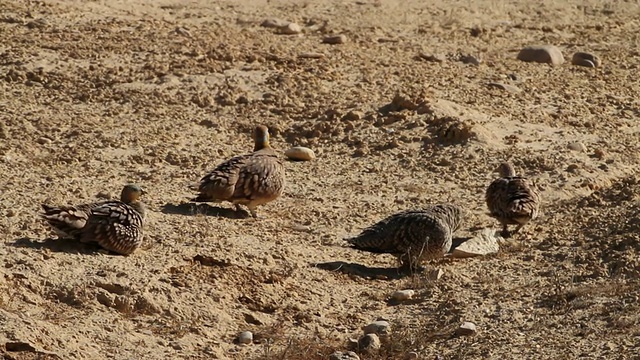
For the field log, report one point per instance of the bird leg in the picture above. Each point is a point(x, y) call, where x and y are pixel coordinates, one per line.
point(505, 232)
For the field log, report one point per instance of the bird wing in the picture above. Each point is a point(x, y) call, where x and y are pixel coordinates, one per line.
point(114, 225)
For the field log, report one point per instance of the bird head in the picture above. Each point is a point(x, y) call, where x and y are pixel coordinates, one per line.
point(131, 193)
point(260, 137)
point(505, 169)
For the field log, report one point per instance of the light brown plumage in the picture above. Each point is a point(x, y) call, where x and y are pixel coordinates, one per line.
point(512, 199)
point(252, 180)
point(115, 225)
point(413, 235)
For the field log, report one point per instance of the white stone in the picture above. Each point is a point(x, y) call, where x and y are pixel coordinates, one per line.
point(402, 295)
point(485, 243)
point(369, 342)
point(466, 329)
point(377, 327)
point(300, 153)
point(346, 355)
point(291, 29)
point(245, 337)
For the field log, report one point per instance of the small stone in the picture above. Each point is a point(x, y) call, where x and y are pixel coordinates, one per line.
point(470, 59)
point(369, 342)
point(245, 337)
point(432, 57)
point(300, 153)
point(548, 54)
point(44, 140)
point(485, 243)
point(466, 329)
point(353, 115)
point(274, 23)
point(335, 39)
point(291, 29)
point(346, 355)
point(585, 59)
point(377, 327)
point(435, 274)
point(11, 213)
point(402, 295)
point(599, 154)
point(577, 146)
point(183, 32)
point(507, 87)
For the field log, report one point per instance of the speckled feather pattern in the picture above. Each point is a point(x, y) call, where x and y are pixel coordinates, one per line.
point(253, 179)
point(413, 235)
point(115, 225)
point(512, 199)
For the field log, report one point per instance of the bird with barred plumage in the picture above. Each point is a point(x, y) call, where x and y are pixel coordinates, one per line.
point(115, 225)
point(251, 180)
point(512, 199)
point(414, 236)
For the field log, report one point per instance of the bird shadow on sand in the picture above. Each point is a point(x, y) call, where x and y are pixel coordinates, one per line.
point(192, 209)
point(363, 271)
point(70, 246)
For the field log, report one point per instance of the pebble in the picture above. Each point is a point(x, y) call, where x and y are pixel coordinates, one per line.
point(585, 59)
point(11, 213)
point(485, 243)
point(353, 115)
point(369, 342)
point(402, 295)
point(335, 39)
point(274, 23)
point(507, 87)
point(577, 146)
point(44, 140)
point(411, 355)
point(377, 327)
point(290, 29)
point(548, 54)
point(346, 355)
point(245, 337)
point(466, 329)
point(300, 153)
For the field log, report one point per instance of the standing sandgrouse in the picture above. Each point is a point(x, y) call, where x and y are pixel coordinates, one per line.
point(252, 180)
point(115, 225)
point(412, 235)
point(511, 199)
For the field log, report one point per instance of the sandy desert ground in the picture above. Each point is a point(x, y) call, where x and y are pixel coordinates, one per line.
point(96, 94)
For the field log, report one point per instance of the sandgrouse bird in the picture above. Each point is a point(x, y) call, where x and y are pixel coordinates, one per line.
point(511, 199)
point(115, 225)
point(414, 236)
point(252, 180)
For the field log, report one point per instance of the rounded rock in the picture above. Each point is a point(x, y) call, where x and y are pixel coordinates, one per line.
point(245, 337)
point(402, 295)
point(369, 342)
point(377, 327)
point(547, 54)
point(300, 153)
point(291, 29)
point(335, 39)
point(585, 59)
point(466, 329)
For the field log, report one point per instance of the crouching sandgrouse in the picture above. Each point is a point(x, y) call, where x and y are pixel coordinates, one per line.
point(115, 225)
point(252, 180)
point(414, 236)
point(512, 199)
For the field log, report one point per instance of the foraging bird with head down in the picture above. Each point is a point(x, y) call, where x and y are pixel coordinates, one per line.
point(414, 236)
point(115, 225)
point(512, 199)
point(252, 179)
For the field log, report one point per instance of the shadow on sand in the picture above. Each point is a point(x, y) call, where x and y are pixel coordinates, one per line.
point(71, 246)
point(192, 209)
